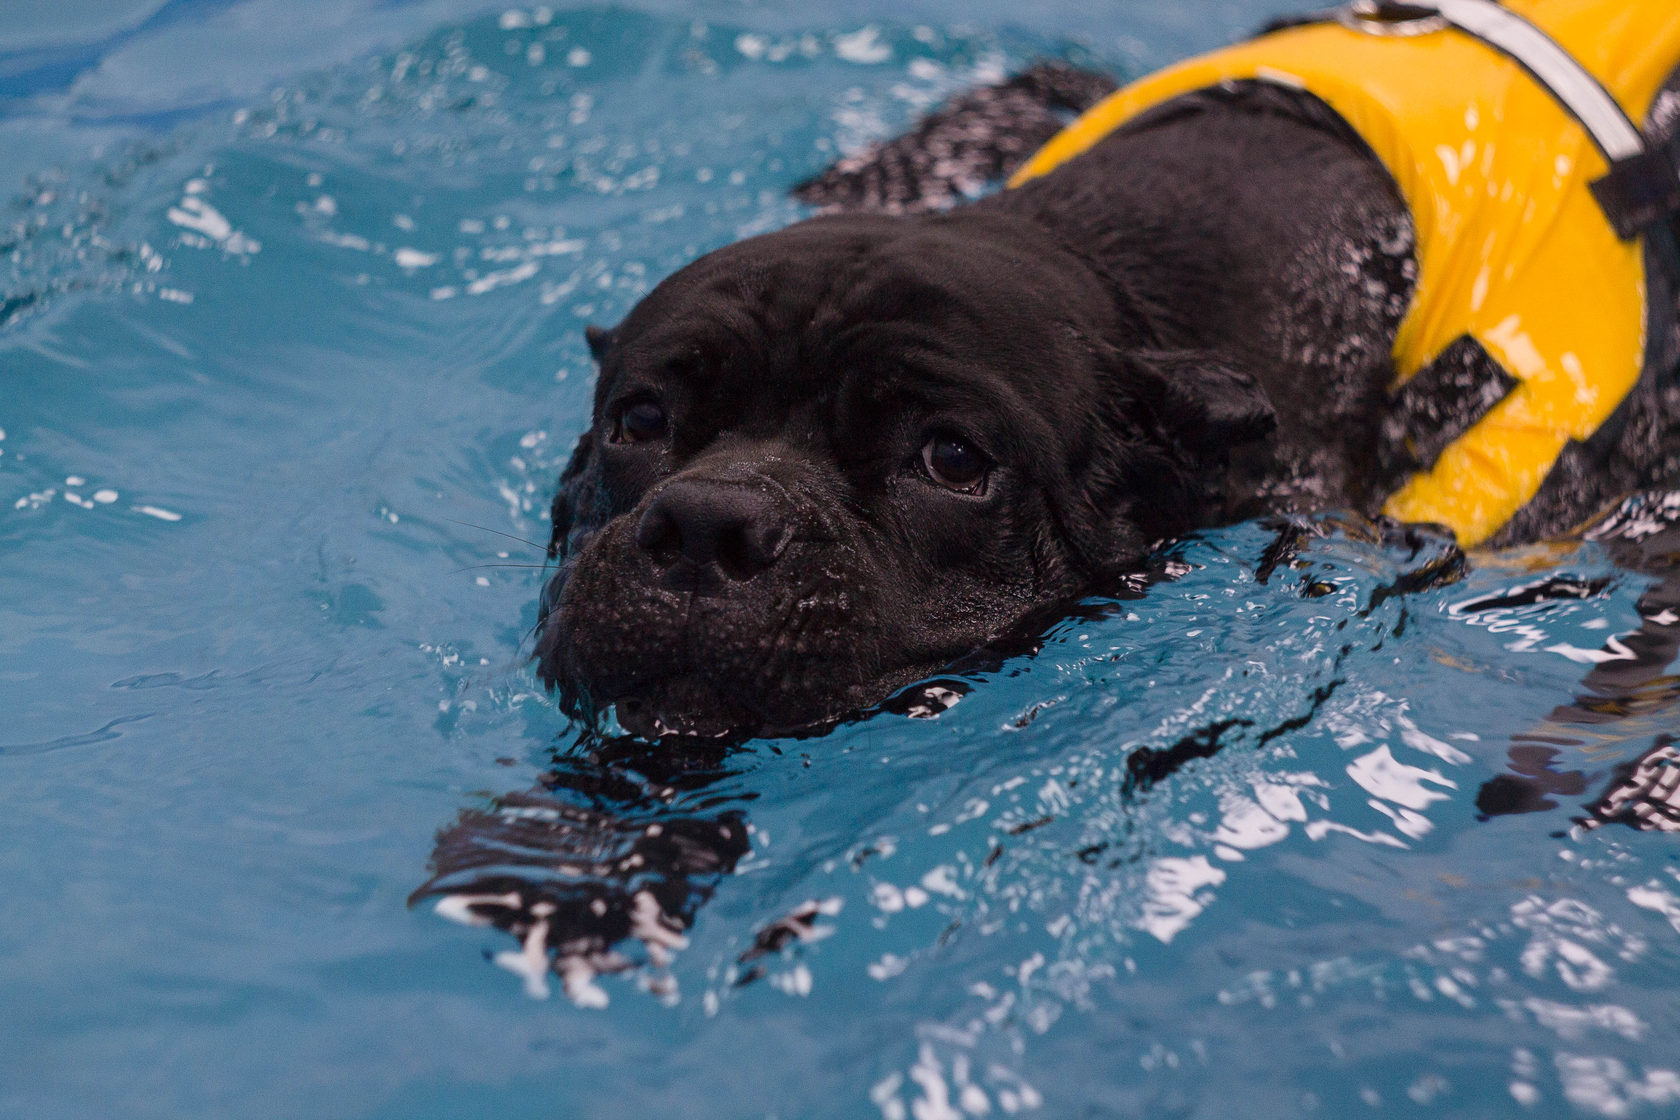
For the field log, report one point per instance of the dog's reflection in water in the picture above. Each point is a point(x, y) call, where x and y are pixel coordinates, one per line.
point(602, 866)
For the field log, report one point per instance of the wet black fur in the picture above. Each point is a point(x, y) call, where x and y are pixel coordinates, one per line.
point(1189, 324)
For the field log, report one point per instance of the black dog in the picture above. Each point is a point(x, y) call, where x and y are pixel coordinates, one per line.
point(827, 461)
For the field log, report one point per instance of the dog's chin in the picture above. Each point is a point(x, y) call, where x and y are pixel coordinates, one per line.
point(689, 708)
point(683, 708)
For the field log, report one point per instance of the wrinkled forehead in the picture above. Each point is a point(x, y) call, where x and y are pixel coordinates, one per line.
point(953, 311)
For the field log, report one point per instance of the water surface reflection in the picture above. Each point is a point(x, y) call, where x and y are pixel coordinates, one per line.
point(601, 867)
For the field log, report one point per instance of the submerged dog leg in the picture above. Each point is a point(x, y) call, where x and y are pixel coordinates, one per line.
point(1624, 697)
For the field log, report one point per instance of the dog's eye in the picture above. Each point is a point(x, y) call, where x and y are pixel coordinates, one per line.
point(640, 422)
point(954, 464)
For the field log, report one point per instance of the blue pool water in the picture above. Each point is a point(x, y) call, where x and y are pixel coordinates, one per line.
point(291, 299)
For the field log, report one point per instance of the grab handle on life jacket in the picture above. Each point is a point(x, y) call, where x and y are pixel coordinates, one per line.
point(1382, 17)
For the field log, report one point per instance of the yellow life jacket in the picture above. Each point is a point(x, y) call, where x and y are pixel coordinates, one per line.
point(1513, 249)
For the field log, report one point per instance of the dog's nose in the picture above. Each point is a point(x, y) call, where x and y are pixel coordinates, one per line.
point(737, 529)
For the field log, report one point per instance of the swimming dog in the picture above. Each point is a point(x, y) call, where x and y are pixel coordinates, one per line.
point(1413, 260)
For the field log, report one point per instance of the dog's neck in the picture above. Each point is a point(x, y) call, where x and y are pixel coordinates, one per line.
point(1250, 228)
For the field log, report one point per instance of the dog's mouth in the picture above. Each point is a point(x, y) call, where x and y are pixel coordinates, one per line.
point(766, 660)
point(780, 694)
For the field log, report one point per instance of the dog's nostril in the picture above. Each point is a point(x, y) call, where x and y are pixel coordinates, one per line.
point(657, 535)
point(738, 531)
point(746, 550)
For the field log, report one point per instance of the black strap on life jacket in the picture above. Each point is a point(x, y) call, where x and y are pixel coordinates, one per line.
point(1640, 196)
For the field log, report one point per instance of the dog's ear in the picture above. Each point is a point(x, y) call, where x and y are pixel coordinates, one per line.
point(579, 512)
point(1206, 405)
point(575, 513)
point(600, 340)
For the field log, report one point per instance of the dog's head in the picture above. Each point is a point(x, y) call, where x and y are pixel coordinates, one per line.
point(827, 461)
